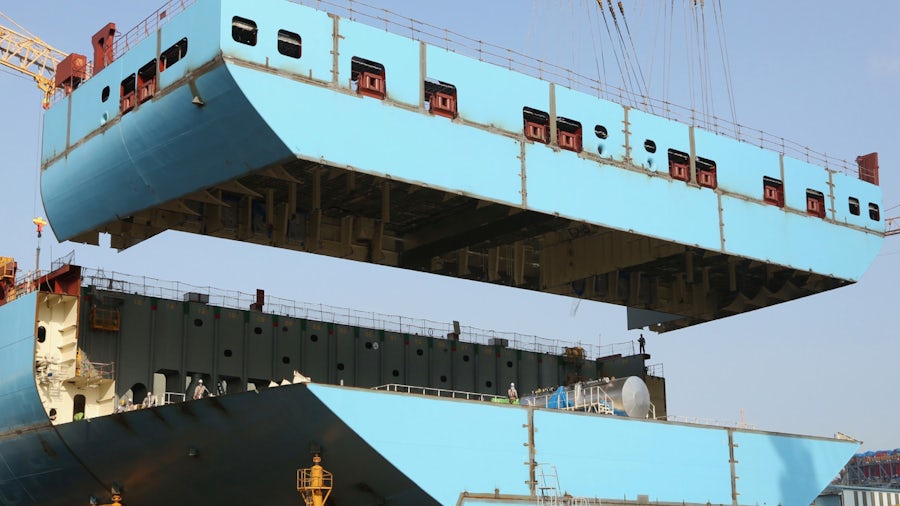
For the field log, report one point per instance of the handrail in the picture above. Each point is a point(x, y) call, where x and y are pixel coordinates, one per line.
point(175, 290)
point(388, 20)
point(439, 392)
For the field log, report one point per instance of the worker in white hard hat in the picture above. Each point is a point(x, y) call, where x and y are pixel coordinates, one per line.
point(200, 390)
point(512, 393)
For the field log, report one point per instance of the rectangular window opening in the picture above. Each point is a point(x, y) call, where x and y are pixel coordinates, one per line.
point(537, 125)
point(773, 191)
point(568, 134)
point(367, 77)
point(171, 56)
point(706, 173)
point(679, 165)
point(290, 44)
point(815, 203)
point(243, 30)
point(440, 98)
point(127, 91)
point(853, 204)
point(874, 212)
point(147, 81)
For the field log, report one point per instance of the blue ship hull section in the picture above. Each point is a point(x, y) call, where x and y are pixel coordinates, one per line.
point(266, 107)
point(151, 155)
point(19, 404)
point(450, 447)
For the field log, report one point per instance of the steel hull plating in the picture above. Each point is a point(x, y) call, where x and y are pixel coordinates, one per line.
point(383, 448)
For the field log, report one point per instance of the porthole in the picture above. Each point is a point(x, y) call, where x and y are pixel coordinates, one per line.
point(340, 367)
point(488, 384)
point(650, 146)
point(313, 338)
point(853, 204)
point(600, 132)
point(42, 334)
point(198, 322)
point(285, 360)
point(443, 379)
point(395, 373)
point(509, 363)
point(228, 353)
point(465, 358)
point(243, 30)
point(420, 352)
point(289, 44)
point(257, 330)
point(104, 94)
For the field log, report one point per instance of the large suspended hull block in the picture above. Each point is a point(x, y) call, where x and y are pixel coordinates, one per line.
point(61, 442)
point(374, 147)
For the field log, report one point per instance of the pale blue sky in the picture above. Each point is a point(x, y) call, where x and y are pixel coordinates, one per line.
point(824, 74)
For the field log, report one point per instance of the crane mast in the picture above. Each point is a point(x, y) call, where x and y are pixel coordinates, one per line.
point(31, 56)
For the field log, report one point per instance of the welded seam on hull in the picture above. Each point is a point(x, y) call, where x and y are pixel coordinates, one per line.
point(188, 77)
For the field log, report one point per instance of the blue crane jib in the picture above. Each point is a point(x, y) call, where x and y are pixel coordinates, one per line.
point(304, 130)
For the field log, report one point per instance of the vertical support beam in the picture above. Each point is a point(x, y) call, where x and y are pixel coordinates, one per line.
point(634, 288)
point(462, 262)
point(314, 234)
point(532, 462)
point(627, 131)
point(351, 182)
point(347, 235)
point(270, 207)
point(732, 462)
point(732, 274)
point(245, 229)
point(523, 174)
point(689, 266)
point(316, 203)
point(693, 158)
point(553, 139)
point(292, 199)
point(423, 73)
point(279, 229)
point(519, 263)
point(335, 48)
point(376, 253)
point(493, 264)
point(386, 202)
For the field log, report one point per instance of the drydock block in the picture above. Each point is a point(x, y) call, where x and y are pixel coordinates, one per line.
point(328, 145)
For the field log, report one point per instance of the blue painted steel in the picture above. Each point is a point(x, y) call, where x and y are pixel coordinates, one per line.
point(488, 95)
point(444, 446)
point(264, 107)
point(19, 403)
point(449, 446)
point(794, 469)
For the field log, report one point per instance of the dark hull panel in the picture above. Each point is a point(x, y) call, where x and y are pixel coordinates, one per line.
point(236, 450)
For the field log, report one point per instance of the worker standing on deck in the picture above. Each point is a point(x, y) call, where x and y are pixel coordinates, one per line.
point(512, 393)
point(642, 342)
point(200, 390)
point(149, 401)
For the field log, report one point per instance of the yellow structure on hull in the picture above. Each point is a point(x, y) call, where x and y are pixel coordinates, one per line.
point(314, 483)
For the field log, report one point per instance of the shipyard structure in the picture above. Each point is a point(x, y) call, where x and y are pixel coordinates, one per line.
point(283, 125)
point(280, 124)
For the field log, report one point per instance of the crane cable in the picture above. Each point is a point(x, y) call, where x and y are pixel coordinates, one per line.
point(597, 50)
point(643, 81)
point(726, 63)
point(615, 53)
point(632, 77)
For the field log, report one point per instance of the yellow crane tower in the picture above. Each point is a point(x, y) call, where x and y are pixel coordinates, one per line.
point(21, 51)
